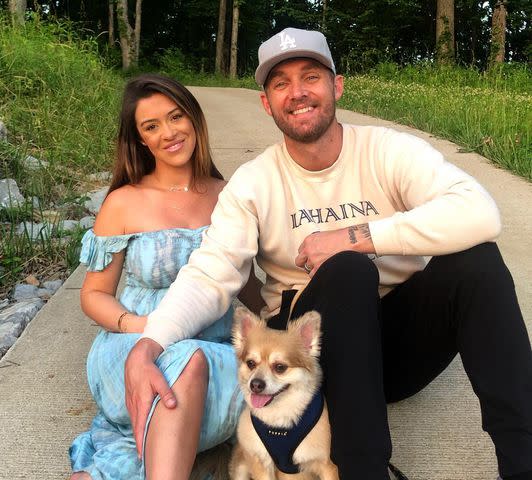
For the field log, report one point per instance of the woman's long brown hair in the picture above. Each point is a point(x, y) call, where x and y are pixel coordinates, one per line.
point(134, 160)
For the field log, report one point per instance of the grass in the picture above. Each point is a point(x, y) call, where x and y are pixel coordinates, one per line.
point(60, 103)
point(488, 113)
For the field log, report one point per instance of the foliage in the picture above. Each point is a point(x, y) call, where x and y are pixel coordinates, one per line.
point(490, 113)
point(60, 102)
point(362, 33)
point(60, 105)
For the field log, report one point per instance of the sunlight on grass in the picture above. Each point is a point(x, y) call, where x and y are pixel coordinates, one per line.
point(481, 115)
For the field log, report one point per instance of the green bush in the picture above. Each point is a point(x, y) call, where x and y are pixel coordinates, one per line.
point(60, 101)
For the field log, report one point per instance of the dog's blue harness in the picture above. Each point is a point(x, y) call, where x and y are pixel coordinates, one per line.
point(281, 444)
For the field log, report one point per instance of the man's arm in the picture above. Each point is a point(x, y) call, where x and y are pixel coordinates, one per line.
point(319, 246)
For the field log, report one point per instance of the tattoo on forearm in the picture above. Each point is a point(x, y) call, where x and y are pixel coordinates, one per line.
point(363, 232)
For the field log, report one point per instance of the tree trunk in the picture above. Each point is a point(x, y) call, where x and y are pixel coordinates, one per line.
point(324, 17)
point(138, 18)
point(220, 38)
point(445, 32)
point(17, 9)
point(129, 37)
point(111, 23)
point(124, 31)
point(234, 40)
point(498, 33)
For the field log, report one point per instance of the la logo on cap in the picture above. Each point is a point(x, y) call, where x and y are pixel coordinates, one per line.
point(286, 41)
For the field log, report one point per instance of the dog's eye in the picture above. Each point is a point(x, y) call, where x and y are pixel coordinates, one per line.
point(280, 368)
point(251, 364)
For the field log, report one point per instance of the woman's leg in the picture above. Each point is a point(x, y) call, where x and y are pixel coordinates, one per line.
point(173, 435)
point(80, 476)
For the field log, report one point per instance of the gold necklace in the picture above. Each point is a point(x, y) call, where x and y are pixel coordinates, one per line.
point(178, 188)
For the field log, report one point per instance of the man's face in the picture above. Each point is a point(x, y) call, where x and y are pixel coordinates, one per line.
point(300, 95)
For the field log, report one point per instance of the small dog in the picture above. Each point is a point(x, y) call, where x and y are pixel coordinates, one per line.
point(285, 427)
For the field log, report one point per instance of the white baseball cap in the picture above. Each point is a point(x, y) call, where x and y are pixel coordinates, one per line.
point(292, 43)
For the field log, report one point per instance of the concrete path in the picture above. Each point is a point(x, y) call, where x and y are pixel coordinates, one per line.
point(44, 401)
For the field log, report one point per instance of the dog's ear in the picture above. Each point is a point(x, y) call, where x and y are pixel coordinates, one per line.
point(309, 329)
point(243, 322)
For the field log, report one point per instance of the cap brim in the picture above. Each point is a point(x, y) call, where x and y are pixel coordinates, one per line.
point(263, 70)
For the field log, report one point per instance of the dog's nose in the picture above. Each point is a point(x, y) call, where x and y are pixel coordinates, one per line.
point(257, 385)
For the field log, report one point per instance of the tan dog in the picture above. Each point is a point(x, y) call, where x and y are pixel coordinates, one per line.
point(280, 378)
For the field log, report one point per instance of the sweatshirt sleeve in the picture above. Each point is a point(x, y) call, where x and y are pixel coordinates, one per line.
point(440, 209)
point(216, 271)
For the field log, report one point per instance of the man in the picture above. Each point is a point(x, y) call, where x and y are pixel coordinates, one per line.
point(340, 218)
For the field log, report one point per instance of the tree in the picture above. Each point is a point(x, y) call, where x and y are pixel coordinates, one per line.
point(129, 37)
point(498, 33)
point(220, 37)
point(234, 39)
point(111, 23)
point(445, 31)
point(17, 9)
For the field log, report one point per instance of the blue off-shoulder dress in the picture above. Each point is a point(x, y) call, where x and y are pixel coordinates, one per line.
point(152, 260)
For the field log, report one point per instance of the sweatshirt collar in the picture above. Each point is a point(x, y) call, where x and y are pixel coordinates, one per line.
point(319, 175)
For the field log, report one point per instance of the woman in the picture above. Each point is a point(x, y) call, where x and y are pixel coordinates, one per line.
point(163, 191)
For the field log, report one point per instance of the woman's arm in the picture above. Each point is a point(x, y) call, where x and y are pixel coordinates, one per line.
point(98, 292)
point(99, 303)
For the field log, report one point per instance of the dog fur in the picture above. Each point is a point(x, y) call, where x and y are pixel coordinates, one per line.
point(288, 363)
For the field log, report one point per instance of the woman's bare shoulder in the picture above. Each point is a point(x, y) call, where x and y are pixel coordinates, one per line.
point(111, 219)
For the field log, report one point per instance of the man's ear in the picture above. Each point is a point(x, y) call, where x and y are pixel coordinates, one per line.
point(338, 87)
point(265, 103)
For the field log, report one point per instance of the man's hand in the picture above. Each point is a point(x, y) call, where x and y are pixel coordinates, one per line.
point(319, 246)
point(144, 381)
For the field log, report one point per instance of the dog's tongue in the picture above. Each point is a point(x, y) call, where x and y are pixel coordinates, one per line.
point(258, 401)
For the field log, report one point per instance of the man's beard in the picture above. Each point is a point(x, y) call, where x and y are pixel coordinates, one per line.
point(305, 134)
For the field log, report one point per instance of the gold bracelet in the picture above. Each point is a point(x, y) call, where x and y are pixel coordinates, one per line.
point(120, 318)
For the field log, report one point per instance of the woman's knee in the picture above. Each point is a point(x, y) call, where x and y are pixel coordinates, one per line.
point(197, 368)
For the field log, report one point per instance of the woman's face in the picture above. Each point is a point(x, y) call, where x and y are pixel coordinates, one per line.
point(165, 129)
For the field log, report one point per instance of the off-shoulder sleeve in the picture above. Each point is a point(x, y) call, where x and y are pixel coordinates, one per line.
point(97, 252)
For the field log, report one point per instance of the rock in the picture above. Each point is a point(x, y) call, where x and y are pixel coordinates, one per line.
point(10, 195)
point(32, 280)
point(32, 163)
point(52, 285)
point(44, 294)
point(14, 319)
point(21, 312)
point(87, 222)
point(68, 225)
point(3, 132)
point(24, 292)
point(95, 200)
point(9, 333)
point(4, 303)
point(100, 177)
point(34, 230)
point(36, 202)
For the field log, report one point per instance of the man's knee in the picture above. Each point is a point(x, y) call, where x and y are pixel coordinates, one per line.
point(349, 266)
point(481, 264)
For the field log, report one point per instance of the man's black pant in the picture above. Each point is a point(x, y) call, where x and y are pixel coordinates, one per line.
point(376, 351)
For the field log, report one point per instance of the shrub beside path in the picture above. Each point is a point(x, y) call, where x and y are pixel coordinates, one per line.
point(44, 400)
